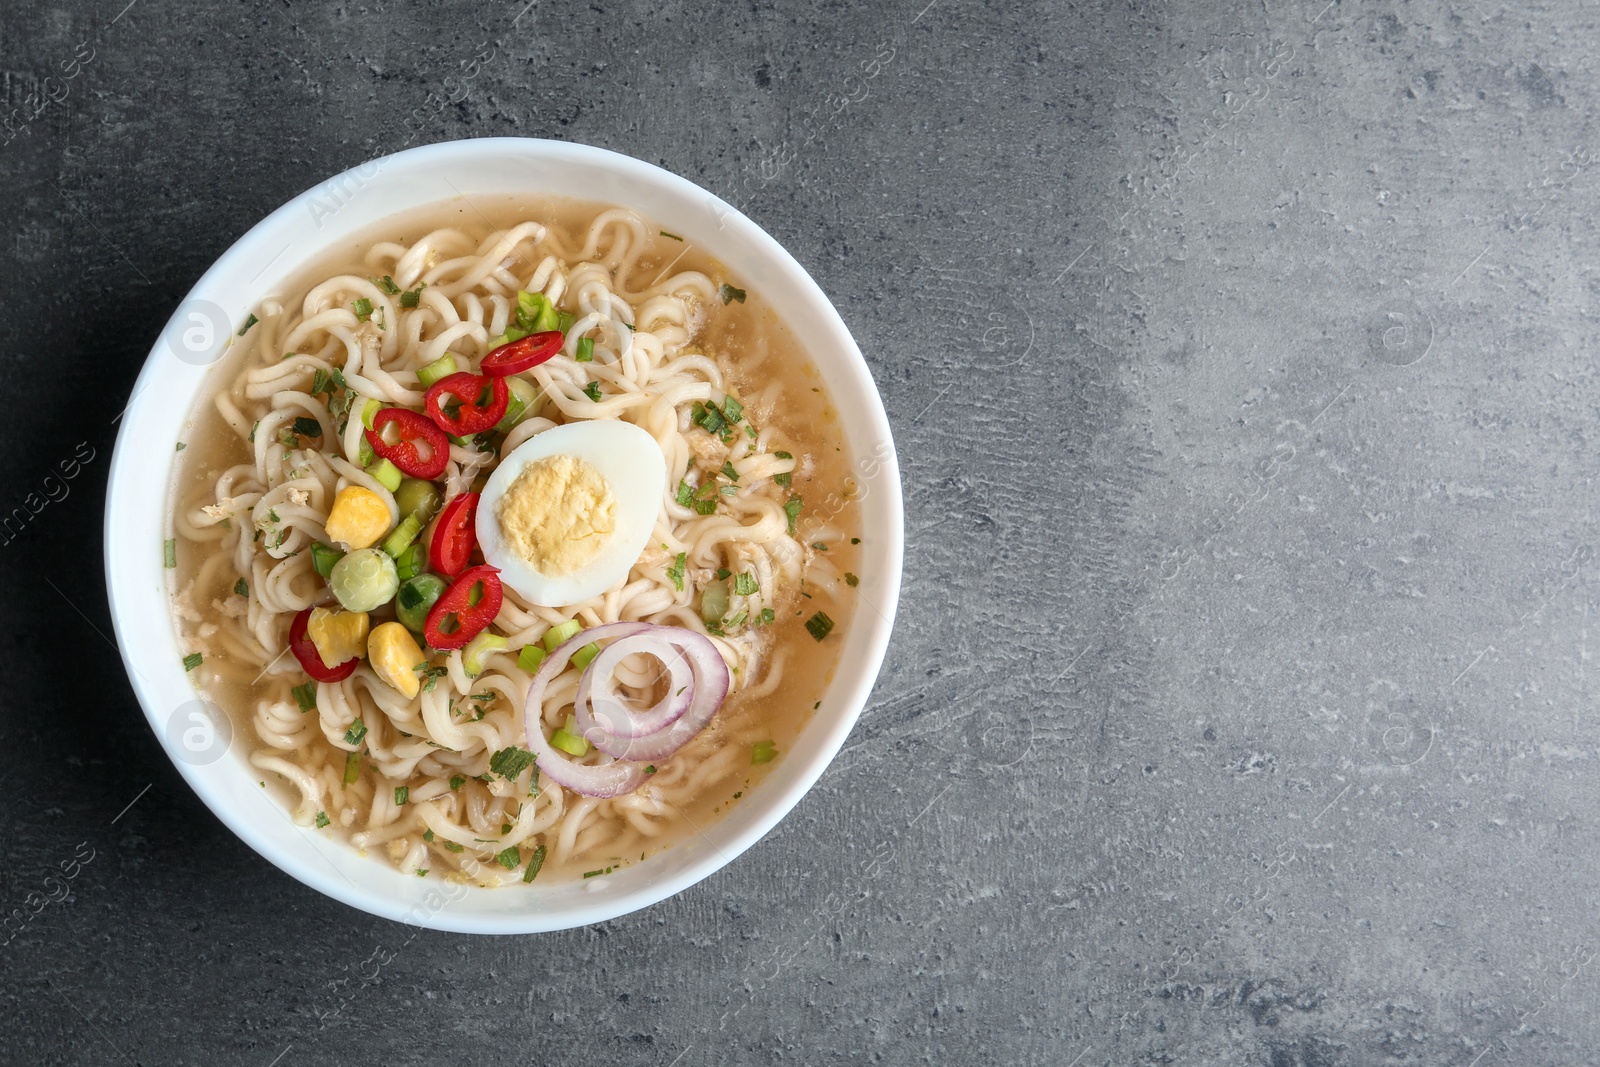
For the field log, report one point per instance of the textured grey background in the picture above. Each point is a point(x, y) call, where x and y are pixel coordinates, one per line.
point(1240, 360)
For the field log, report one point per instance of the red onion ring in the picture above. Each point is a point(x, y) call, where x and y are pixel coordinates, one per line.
point(706, 693)
point(598, 707)
point(654, 734)
point(602, 780)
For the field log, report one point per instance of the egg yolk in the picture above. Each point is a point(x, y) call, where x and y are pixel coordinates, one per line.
point(557, 514)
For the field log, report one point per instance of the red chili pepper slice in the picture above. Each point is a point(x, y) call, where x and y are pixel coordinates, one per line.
point(422, 451)
point(473, 416)
point(519, 355)
point(456, 617)
point(455, 535)
point(305, 650)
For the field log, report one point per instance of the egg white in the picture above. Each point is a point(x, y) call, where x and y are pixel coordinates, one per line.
point(630, 461)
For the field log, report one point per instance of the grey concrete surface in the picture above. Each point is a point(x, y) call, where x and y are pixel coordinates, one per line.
point(1241, 359)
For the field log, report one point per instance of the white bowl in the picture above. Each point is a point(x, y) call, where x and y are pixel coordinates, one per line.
point(138, 501)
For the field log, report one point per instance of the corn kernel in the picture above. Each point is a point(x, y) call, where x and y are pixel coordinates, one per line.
point(338, 635)
point(359, 517)
point(395, 657)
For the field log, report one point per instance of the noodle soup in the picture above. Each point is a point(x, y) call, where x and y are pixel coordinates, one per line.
point(372, 604)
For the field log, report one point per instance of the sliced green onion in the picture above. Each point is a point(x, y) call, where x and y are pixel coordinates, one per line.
point(763, 752)
point(746, 584)
point(169, 553)
point(564, 321)
point(241, 587)
point(386, 474)
point(305, 695)
point(530, 657)
point(509, 858)
point(585, 350)
point(410, 563)
point(714, 602)
point(851, 580)
point(323, 558)
point(400, 540)
point(592, 391)
point(675, 572)
point(322, 819)
point(368, 410)
point(585, 655)
point(402, 795)
point(363, 308)
point(192, 660)
point(479, 649)
point(569, 742)
point(355, 733)
point(352, 767)
point(442, 367)
point(365, 455)
point(456, 782)
point(561, 633)
point(524, 400)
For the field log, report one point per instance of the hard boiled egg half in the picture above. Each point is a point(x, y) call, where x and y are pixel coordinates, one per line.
point(566, 515)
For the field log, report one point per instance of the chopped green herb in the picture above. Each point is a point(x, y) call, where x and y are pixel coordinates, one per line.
point(675, 572)
point(728, 470)
point(251, 321)
point(357, 731)
point(362, 308)
point(585, 353)
point(603, 870)
point(457, 781)
point(673, 236)
point(305, 694)
point(652, 768)
point(411, 297)
point(685, 495)
point(731, 293)
point(181, 447)
point(732, 410)
point(787, 476)
point(792, 508)
point(723, 573)
point(535, 861)
point(385, 283)
point(820, 625)
point(705, 507)
point(855, 540)
point(192, 660)
point(592, 391)
point(430, 675)
point(709, 418)
point(422, 872)
point(765, 617)
point(322, 819)
point(169, 553)
point(734, 621)
point(402, 795)
point(763, 752)
point(253, 428)
point(508, 858)
point(320, 381)
point(427, 835)
point(352, 767)
point(819, 546)
point(306, 426)
point(746, 585)
point(451, 846)
point(851, 580)
point(510, 762)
